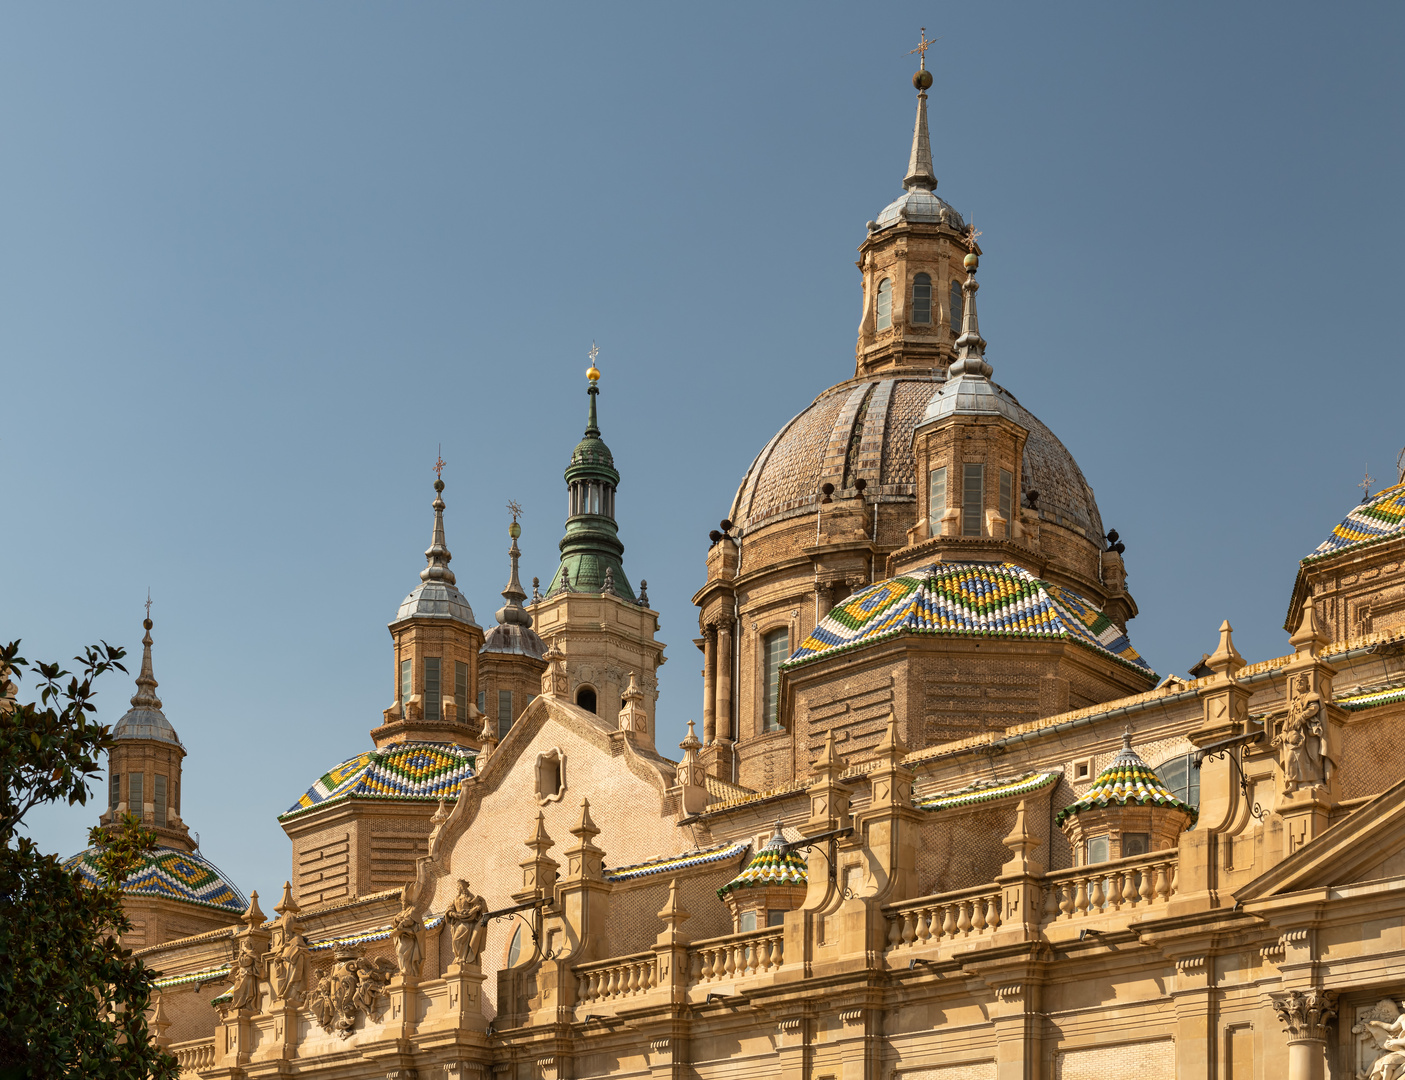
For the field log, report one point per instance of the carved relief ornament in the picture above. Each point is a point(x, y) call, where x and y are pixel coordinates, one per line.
point(1306, 1013)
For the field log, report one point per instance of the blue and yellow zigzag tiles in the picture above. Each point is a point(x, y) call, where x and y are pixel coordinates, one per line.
point(178, 875)
point(411, 770)
point(772, 865)
point(980, 599)
point(1373, 520)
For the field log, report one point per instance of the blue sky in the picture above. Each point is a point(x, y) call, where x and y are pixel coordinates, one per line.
point(258, 261)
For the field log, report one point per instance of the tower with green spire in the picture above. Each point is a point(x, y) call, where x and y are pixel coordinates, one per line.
point(602, 633)
point(591, 552)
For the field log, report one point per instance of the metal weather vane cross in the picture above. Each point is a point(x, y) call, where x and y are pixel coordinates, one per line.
point(971, 233)
point(148, 603)
point(514, 508)
point(1366, 483)
point(922, 46)
point(594, 352)
point(439, 463)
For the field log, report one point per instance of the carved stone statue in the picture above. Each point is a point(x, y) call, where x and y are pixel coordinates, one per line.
point(467, 928)
point(288, 964)
point(1301, 741)
point(405, 932)
point(244, 991)
point(1381, 1042)
point(353, 986)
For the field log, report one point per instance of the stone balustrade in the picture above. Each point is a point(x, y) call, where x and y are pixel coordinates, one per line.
point(1136, 883)
point(951, 916)
point(736, 956)
point(616, 978)
point(194, 1055)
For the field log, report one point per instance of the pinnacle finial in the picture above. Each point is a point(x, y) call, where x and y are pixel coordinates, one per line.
point(920, 174)
point(592, 426)
point(145, 697)
point(438, 555)
point(970, 358)
point(513, 612)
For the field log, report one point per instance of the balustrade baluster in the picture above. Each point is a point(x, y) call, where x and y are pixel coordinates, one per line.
point(992, 912)
point(922, 918)
point(899, 931)
point(1114, 894)
point(948, 921)
point(1146, 889)
point(978, 915)
point(1163, 882)
point(1096, 896)
point(1080, 896)
point(1066, 899)
point(963, 921)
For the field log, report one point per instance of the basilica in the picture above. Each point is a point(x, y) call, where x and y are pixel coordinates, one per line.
point(937, 818)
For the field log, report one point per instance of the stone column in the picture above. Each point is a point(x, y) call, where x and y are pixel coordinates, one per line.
point(709, 684)
point(1305, 1015)
point(724, 681)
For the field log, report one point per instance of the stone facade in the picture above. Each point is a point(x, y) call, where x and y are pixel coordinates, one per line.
point(943, 822)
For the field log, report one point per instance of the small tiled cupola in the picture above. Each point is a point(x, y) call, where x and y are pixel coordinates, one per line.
point(774, 882)
point(1127, 811)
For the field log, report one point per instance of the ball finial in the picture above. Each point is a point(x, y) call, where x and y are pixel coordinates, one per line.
point(971, 261)
point(514, 530)
point(922, 80)
point(592, 373)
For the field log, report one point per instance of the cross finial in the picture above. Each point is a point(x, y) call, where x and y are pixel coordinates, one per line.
point(923, 45)
point(439, 463)
point(148, 603)
point(1366, 483)
point(514, 509)
point(971, 233)
point(594, 352)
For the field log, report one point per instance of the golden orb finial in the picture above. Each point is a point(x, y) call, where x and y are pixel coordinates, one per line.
point(593, 373)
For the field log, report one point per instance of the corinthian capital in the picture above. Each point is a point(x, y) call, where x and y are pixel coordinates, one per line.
point(1306, 1013)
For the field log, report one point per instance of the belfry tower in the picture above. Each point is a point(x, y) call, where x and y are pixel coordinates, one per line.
point(590, 614)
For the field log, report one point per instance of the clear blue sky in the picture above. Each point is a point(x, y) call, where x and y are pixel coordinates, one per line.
point(258, 261)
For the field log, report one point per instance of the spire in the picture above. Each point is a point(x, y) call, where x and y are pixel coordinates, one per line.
point(920, 174)
point(970, 357)
point(513, 613)
point(145, 697)
point(592, 424)
point(438, 555)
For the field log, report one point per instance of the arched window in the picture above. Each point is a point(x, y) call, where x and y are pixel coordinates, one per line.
point(957, 307)
point(1181, 776)
point(885, 303)
point(585, 698)
point(922, 299)
point(775, 647)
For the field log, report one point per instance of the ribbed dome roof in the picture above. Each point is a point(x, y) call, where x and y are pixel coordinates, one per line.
point(863, 428)
point(923, 206)
point(167, 872)
point(145, 724)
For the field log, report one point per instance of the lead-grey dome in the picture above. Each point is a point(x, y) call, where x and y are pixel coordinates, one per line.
point(923, 206)
point(436, 600)
point(145, 723)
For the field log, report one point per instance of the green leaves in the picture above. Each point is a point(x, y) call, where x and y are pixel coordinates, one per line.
point(72, 1001)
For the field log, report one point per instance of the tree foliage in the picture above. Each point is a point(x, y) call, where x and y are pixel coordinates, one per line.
point(72, 1001)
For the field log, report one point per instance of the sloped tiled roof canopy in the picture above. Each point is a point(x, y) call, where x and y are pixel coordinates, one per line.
point(986, 791)
point(409, 770)
point(1128, 780)
point(772, 865)
point(663, 864)
point(166, 872)
point(1375, 520)
point(967, 599)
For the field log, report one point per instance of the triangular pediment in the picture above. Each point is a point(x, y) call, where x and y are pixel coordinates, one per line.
point(1369, 845)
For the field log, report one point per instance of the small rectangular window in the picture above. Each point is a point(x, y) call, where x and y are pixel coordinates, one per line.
point(922, 299)
point(134, 793)
point(482, 701)
point(595, 498)
point(461, 692)
point(504, 713)
point(885, 303)
point(1097, 849)
point(1135, 843)
point(775, 648)
point(406, 681)
point(114, 791)
point(775, 917)
point(1007, 493)
point(159, 798)
point(431, 688)
point(936, 500)
point(972, 500)
point(748, 921)
point(957, 306)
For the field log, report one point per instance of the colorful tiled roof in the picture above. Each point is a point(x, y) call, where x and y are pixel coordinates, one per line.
point(208, 975)
point(177, 875)
point(1128, 779)
point(967, 599)
point(772, 865)
point(662, 864)
point(1377, 519)
point(409, 770)
point(1386, 696)
point(988, 791)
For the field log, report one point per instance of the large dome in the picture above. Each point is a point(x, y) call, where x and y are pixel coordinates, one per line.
point(863, 428)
